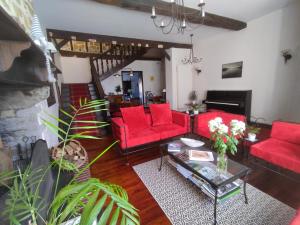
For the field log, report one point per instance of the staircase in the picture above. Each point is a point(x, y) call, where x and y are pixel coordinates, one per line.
point(113, 60)
point(70, 94)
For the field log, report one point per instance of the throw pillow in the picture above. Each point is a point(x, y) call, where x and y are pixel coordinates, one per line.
point(161, 114)
point(135, 118)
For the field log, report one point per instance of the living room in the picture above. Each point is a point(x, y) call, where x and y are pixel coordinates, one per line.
point(149, 112)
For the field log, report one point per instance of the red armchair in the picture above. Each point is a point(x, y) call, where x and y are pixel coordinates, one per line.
point(136, 128)
point(282, 148)
point(201, 121)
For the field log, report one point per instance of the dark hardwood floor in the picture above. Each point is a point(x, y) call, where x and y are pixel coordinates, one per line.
point(112, 167)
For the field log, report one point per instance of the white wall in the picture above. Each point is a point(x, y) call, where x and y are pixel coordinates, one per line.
point(179, 78)
point(76, 70)
point(149, 68)
point(275, 85)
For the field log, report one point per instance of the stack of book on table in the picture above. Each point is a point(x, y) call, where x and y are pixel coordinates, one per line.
point(175, 146)
point(224, 192)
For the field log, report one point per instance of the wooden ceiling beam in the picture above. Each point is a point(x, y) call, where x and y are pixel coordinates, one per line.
point(163, 8)
point(66, 35)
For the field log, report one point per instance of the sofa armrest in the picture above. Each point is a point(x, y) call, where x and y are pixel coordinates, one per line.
point(120, 131)
point(181, 119)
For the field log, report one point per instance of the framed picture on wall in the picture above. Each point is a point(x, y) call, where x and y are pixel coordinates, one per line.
point(232, 70)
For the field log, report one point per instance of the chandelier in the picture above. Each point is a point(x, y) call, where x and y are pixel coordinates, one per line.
point(178, 18)
point(192, 59)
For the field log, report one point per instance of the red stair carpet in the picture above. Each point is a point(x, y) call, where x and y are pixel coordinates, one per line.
point(81, 91)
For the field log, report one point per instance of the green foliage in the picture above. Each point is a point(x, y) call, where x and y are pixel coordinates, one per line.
point(65, 165)
point(91, 199)
point(224, 142)
point(24, 201)
point(253, 129)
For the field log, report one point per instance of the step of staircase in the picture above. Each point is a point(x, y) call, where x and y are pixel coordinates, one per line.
point(71, 94)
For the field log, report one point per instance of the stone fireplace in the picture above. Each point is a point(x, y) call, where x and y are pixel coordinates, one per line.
point(23, 100)
point(21, 110)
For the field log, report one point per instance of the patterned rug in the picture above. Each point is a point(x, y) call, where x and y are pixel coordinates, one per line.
point(184, 204)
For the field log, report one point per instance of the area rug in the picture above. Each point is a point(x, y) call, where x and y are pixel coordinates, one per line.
point(184, 204)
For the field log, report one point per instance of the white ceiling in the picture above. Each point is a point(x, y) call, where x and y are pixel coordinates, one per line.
point(92, 17)
point(244, 10)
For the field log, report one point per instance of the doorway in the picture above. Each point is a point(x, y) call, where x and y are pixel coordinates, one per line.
point(133, 88)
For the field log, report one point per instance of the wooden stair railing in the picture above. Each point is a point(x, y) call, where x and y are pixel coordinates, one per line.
point(118, 57)
point(96, 81)
point(110, 62)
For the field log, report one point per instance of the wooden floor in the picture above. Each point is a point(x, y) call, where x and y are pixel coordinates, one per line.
point(112, 167)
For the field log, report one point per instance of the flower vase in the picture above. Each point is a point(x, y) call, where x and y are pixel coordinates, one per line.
point(222, 161)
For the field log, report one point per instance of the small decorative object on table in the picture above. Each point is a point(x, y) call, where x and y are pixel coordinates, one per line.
point(175, 146)
point(252, 131)
point(225, 139)
point(192, 142)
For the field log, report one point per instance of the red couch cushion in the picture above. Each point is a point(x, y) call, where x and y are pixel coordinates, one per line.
point(281, 153)
point(134, 118)
point(284, 131)
point(227, 117)
point(169, 130)
point(201, 123)
point(161, 114)
point(142, 137)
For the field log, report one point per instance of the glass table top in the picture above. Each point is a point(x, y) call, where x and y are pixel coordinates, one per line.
point(207, 170)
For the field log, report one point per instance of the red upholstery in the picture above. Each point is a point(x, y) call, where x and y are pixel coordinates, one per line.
point(296, 220)
point(169, 130)
point(129, 136)
point(289, 132)
point(201, 121)
point(161, 114)
point(278, 152)
point(142, 137)
point(279, 149)
point(135, 118)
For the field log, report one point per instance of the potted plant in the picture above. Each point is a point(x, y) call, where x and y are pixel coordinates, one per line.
point(196, 108)
point(87, 202)
point(252, 131)
point(118, 89)
point(225, 139)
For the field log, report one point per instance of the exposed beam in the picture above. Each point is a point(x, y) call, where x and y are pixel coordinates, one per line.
point(163, 8)
point(62, 43)
point(60, 34)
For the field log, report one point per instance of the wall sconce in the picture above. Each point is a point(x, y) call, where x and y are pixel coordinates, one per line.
point(286, 55)
point(198, 69)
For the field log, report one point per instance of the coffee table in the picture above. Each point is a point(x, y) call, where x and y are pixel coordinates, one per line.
point(234, 172)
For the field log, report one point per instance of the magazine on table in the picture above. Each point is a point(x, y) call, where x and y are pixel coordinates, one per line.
point(175, 146)
point(197, 155)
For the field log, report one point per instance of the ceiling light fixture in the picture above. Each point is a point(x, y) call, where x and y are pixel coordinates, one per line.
point(178, 18)
point(192, 59)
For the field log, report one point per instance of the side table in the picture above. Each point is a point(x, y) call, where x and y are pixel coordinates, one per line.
point(247, 143)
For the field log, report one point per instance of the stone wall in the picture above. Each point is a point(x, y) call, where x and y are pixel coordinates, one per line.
point(19, 122)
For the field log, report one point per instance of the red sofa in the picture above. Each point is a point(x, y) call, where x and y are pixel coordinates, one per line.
point(282, 148)
point(136, 128)
point(201, 121)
